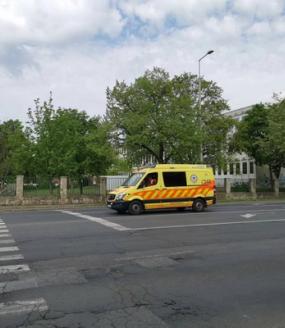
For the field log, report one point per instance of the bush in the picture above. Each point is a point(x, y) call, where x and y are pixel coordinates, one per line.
point(240, 187)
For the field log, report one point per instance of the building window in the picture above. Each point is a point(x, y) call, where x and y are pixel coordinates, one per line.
point(214, 170)
point(251, 167)
point(237, 168)
point(244, 168)
point(231, 169)
point(226, 170)
point(219, 171)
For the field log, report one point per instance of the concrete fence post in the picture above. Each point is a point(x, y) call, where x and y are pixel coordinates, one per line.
point(103, 186)
point(63, 188)
point(252, 186)
point(20, 188)
point(227, 185)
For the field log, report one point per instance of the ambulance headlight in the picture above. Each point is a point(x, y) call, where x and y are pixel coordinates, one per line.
point(120, 196)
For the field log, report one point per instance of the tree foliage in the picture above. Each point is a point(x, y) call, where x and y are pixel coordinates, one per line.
point(158, 115)
point(261, 135)
point(68, 142)
point(15, 149)
point(253, 132)
point(274, 146)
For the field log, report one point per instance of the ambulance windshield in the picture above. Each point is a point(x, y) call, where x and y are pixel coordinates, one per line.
point(133, 179)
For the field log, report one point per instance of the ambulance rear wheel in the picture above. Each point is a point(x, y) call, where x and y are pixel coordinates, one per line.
point(198, 205)
point(135, 207)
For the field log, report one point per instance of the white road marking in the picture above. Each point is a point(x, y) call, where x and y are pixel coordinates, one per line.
point(10, 286)
point(9, 249)
point(248, 215)
point(36, 305)
point(11, 257)
point(105, 223)
point(4, 230)
point(14, 268)
point(4, 235)
point(7, 241)
point(207, 224)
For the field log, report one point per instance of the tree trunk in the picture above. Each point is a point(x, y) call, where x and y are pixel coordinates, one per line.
point(271, 178)
point(81, 186)
point(276, 175)
point(161, 153)
point(50, 186)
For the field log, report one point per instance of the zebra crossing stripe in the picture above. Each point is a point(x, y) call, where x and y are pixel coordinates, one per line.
point(14, 268)
point(17, 307)
point(9, 249)
point(10, 286)
point(7, 241)
point(22, 306)
point(4, 235)
point(11, 257)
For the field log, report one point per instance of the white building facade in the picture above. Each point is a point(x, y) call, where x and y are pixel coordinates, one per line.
point(243, 167)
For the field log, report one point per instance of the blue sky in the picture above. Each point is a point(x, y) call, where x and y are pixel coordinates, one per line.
point(76, 48)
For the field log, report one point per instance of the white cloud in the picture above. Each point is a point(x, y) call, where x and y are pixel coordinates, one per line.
point(56, 51)
point(259, 8)
point(260, 29)
point(184, 11)
point(33, 21)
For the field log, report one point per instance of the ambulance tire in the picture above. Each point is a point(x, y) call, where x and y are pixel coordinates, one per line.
point(198, 205)
point(135, 207)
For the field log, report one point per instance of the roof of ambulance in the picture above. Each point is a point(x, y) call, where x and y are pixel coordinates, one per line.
point(172, 167)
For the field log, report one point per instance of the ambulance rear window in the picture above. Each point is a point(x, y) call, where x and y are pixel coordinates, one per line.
point(174, 179)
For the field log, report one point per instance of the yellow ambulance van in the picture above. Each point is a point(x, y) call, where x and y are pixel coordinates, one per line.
point(164, 186)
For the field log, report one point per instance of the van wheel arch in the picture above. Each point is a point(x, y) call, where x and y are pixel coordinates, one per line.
point(199, 204)
point(136, 207)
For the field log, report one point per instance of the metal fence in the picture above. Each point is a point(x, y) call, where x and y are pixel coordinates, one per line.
point(41, 187)
point(8, 187)
point(88, 186)
point(114, 181)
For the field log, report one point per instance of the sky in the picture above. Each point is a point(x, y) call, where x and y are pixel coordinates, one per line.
point(77, 48)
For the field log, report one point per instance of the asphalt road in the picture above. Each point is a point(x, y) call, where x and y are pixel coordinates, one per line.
point(94, 268)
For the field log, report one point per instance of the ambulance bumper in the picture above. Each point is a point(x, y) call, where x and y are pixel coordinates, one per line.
point(118, 205)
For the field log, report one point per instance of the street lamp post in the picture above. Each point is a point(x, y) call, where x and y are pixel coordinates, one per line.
point(199, 93)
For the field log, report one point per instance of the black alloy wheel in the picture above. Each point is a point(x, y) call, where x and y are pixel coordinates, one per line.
point(135, 207)
point(198, 205)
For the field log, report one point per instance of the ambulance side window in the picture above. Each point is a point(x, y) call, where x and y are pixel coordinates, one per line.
point(174, 179)
point(149, 181)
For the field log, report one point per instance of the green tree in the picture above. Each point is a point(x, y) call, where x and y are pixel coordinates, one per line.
point(274, 144)
point(261, 135)
point(252, 132)
point(68, 142)
point(159, 116)
point(15, 149)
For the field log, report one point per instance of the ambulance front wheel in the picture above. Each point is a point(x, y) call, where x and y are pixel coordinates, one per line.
point(198, 205)
point(135, 207)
